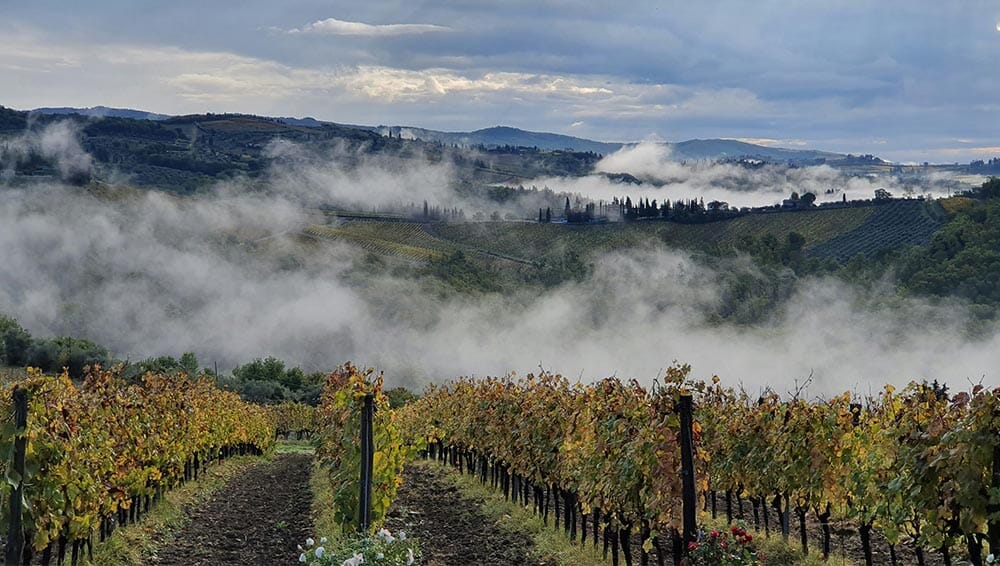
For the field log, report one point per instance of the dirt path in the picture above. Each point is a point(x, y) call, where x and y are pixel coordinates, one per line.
point(259, 517)
point(451, 529)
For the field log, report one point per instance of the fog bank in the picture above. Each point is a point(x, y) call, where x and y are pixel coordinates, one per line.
point(225, 276)
point(737, 184)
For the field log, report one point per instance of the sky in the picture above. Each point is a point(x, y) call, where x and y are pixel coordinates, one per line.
point(907, 80)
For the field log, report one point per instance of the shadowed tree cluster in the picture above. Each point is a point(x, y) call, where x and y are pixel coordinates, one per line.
point(19, 348)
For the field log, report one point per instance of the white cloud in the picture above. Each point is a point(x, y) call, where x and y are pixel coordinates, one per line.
point(772, 142)
point(333, 26)
point(175, 80)
point(666, 178)
point(451, 91)
point(406, 85)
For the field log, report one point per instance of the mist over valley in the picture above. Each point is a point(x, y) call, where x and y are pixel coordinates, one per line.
point(269, 261)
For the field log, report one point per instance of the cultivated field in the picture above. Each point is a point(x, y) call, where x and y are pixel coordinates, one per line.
point(839, 233)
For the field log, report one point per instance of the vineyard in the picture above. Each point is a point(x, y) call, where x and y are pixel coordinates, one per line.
point(607, 453)
point(294, 419)
point(405, 240)
point(913, 470)
point(917, 466)
point(97, 456)
point(531, 241)
point(894, 225)
point(340, 455)
point(837, 233)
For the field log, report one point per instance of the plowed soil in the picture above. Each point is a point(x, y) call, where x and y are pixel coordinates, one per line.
point(451, 529)
point(258, 518)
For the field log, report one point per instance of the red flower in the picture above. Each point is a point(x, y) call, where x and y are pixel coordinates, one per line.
point(693, 545)
point(714, 534)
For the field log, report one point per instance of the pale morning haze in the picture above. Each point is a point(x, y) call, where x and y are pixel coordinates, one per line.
point(907, 81)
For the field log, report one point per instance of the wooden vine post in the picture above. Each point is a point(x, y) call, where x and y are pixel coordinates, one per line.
point(15, 529)
point(993, 528)
point(367, 463)
point(689, 492)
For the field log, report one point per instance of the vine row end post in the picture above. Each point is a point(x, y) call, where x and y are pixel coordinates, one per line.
point(367, 463)
point(689, 493)
point(15, 528)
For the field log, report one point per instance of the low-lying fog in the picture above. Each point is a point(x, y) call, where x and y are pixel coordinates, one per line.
point(151, 274)
point(736, 184)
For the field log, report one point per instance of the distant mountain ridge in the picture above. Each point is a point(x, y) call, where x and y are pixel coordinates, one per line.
point(104, 112)
point(505, 135)
point(690, 150)
point(695, 150)
point(498, 136)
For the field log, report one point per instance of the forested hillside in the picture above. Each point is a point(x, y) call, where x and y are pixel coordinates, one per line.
point(188, 153)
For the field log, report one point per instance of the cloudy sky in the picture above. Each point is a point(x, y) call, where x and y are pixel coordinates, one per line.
point(909, 80)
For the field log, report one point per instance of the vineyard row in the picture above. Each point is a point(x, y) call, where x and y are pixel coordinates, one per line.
point(93, 457)
point(919, 464)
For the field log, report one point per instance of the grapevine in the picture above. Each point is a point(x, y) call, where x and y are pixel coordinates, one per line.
point(97, 454)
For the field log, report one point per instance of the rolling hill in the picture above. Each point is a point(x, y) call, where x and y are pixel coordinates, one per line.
point(835, 233)
point(184, 154)
point(503, 136)
point(500, 136)
point(103, 112)
point(696, 150)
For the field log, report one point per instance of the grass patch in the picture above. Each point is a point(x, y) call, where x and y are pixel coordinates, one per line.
point(324, 524)
point(955, 205)
point(134, 544)
point(294, 447)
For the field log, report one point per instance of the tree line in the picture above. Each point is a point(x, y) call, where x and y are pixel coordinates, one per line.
point(267, 380)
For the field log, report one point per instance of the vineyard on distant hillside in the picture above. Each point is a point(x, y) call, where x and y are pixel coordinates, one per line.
point(845, 231)
point(834, 233)
point(894, 225)
point(404, 240)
